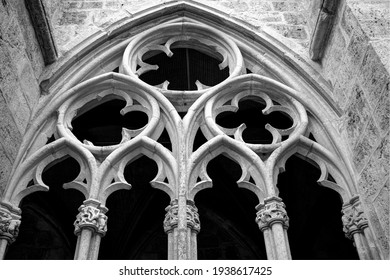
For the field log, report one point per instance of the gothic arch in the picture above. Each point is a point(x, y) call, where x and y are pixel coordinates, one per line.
point(280, 79)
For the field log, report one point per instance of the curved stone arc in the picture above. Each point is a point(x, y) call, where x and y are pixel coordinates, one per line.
point(275, 90)
point(329, 163)
point(127, 153)
point(33, 167)
point(69, 108)
point(165, 33)
point(223, 144)
point(259, 42)
point(256, 46)
point(108, 79)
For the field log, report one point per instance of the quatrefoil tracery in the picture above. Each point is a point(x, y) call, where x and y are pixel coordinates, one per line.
point(162, 106)
point(247, 122)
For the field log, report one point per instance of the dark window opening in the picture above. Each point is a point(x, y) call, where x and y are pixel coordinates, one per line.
point(183, 69)
point(316, 229)
point(165, 140)
point(136, 216)
point(250, 113)
point(46, 231)
point(102, 125)
point(199, 140)
point(227, 216)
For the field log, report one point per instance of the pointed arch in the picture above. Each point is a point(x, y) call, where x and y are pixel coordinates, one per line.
point(251, 166)
point(34, 166)
point(113, 166)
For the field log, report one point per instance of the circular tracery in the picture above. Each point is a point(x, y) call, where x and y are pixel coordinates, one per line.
point(169, 39)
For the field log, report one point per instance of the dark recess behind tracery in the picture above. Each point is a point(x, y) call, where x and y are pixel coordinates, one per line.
point(183, 69)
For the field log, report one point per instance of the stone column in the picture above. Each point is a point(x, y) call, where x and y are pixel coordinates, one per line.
point(355, 226)
point(90, 227)
point(171, 228)
point(193, 228)
point(9, 229)
point(273, 222)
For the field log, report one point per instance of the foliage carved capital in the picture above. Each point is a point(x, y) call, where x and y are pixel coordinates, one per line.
point(91, 215)
point(193, 221)
point(9, 225)
point(270, 212)
point(354, 219)
point(171, 217)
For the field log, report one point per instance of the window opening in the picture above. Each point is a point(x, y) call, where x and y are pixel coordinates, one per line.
point(47, 228)
point(316, 230)
point(136, 217)
point(227, 215)
point(102, 125)
point(183, 69)
point(250, 113)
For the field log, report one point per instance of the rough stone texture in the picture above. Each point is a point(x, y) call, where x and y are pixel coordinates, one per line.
point(76, 20)
point(5, 168)
point(21, 66)
point(374, 18)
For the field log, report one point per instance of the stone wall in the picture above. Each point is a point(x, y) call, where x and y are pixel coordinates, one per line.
point(75, 20)
point(360, 81)
point(20, 67)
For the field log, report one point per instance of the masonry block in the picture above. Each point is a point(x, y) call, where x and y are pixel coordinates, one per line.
point(374, 76)
point(290, 31)
point(364, 148)
point(77, 18)
point(356, 116)
point(349, 23)
point(10, 136)
point(5, 169)
point(376, 173)
point(382, 111)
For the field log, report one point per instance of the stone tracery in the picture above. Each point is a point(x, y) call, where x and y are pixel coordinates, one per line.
point(103, 166)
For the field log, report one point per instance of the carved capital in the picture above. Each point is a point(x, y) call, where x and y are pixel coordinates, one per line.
point(9, 225)
point(354, 219)
point(193, 221)
point(91, 215)
point(171, 217)
point(270, 212)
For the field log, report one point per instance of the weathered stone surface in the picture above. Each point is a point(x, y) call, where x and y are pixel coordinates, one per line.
point(376, 173)
point(289, 31)
point(295, 18)
point(381, 204)
point(368, 142)
point(5, 168)
point(31, 46)
point(382, 48)
point(73, 18)
point(349, 22)
point(357, 112)
point(373, 76)
point(382, 112)
point(333, 57)
point(10, 136)
point(382, 238)
point(357, 47)
point(11, 89)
